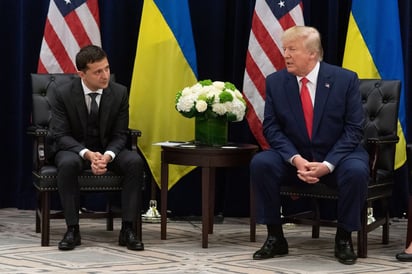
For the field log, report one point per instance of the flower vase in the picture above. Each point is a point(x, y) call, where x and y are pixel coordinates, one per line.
point(211, 132)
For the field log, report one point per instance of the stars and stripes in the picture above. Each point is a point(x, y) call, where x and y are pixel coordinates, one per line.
point(264, 55)
point(70, 25)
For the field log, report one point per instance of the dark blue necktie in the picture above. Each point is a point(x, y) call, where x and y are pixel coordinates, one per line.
point(94, 109)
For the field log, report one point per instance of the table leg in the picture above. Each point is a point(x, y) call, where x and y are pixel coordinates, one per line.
point(163, 193)
point(211, 199)
point(252, 214)
point(205, 205)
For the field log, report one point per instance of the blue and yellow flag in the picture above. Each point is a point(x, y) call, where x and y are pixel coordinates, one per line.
point(374, 50)
point(165, 63)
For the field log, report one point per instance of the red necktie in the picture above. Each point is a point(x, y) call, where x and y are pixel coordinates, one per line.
point(306, 106)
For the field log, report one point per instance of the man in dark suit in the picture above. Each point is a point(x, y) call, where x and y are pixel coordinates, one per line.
point(96, 141)
point(313, 121)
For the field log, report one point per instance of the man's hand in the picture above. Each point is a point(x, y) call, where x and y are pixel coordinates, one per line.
point(310, 172)
point(98, 162)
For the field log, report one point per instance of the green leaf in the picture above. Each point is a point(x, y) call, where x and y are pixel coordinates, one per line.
point(206, 82)
point(225, 96)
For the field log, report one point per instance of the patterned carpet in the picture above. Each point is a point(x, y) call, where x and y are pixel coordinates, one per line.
point(229, 249)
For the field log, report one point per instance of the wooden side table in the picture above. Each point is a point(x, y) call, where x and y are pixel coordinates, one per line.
point(208, 158)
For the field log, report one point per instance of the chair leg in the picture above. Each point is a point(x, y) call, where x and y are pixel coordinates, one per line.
point(363, 234)
point(139, 223)
point(109, 219)
point(45, 217)
point(316, 218)
point(252, 215)
point(38, 210)
point(139, 227)
point(385, 226)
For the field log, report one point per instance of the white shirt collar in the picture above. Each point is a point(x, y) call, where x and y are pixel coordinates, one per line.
point(312, 76)
point(87, 90)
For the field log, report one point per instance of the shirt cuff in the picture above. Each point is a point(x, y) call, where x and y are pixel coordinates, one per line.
point(293, 157)
point(329, 165)
point(82, 152)
point(111, 153)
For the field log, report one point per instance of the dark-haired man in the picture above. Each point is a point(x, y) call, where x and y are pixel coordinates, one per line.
point(96, 142)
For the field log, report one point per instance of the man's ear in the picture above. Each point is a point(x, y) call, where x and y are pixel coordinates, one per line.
point(81, 74)
point(313, 54)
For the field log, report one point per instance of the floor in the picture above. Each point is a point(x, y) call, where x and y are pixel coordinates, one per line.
point(230, 250)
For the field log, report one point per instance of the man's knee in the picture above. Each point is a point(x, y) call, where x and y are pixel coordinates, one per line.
point(355, 175)
point(131, 163)
point(261, 162)
point(66, 160)
point(359, 171)
point(136, 161)
point(355, 168)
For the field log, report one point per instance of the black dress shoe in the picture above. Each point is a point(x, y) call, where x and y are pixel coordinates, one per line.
point(273, 247)
point(129, 239)
point(70, 240)
point(344, 252)
point(404, 257)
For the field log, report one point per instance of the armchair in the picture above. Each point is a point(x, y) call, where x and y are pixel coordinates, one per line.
point(380, 100)
point(44, 172)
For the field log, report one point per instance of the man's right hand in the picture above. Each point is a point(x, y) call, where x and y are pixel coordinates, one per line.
point(98, 164)
point(304, 171)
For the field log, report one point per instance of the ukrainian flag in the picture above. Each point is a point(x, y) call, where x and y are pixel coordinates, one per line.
point(374, 50)
point(165, 63)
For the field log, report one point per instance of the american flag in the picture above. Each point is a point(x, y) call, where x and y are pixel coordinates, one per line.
point(70, 25)
point(264, 55)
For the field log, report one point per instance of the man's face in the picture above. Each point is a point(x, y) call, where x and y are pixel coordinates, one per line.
point(97, 75)
point(299, 61)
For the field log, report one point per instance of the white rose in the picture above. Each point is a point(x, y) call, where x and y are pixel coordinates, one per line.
point(185, 103)
point(201, 106)
point(238, 108)
point(220, 109)
point(219, 85)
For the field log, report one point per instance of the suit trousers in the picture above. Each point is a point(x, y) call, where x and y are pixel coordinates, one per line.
point(126, 163)
point(269, 171)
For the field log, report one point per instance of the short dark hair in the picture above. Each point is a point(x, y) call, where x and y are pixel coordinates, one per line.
point(87, 55)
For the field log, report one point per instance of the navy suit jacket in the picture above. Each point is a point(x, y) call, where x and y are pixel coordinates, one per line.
point(69, 117)
point(337, 121)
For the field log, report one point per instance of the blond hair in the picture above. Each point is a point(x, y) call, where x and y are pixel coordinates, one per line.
point(309, 35)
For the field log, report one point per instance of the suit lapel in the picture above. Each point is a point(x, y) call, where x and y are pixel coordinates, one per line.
point(292, 88)
point(80, 103)
point(104, 108)
point(323, 89)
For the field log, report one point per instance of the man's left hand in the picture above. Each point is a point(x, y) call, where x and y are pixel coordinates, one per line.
point(313, 172)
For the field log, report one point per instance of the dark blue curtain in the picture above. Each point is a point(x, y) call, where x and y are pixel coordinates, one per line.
point(221, 32)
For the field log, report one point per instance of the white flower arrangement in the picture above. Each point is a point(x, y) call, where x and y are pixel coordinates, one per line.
point(209, 99)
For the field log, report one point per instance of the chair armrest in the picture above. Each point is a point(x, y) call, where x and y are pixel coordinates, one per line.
point(374, 145)
point(388, 139)
point(39, 144)
point(134, 134)
point(37, 132)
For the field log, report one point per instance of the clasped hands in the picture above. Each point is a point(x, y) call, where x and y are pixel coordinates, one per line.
point(309, 172)
point(98, 162)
